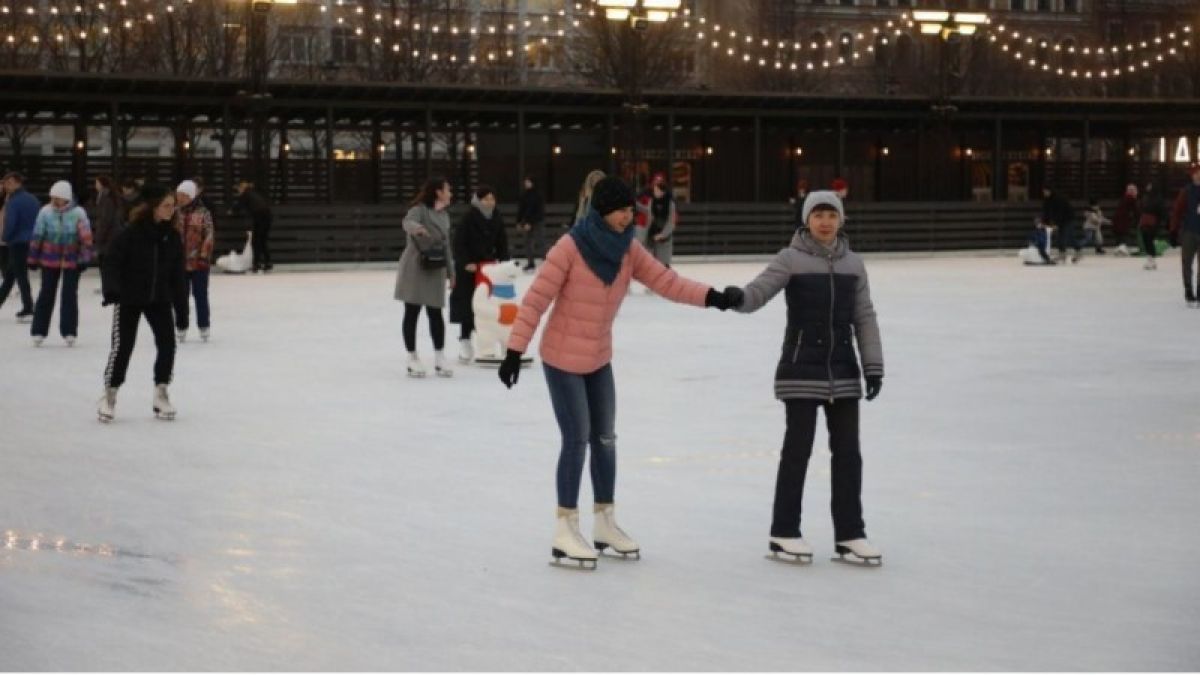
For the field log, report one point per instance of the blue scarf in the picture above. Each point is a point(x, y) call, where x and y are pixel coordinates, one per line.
point(602, 248)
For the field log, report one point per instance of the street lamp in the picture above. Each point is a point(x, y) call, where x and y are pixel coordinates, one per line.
point(946, 24)
point(640, 13)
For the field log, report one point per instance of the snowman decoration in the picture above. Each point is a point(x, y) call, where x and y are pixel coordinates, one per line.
point(495, 304)
point(238, 262)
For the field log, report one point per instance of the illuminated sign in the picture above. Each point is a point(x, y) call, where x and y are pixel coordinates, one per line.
point(1181, 150)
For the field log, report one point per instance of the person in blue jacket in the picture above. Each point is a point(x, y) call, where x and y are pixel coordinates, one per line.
point(20, 214)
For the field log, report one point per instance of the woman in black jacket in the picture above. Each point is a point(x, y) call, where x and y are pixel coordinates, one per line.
point(479, 238)
point(143, 275)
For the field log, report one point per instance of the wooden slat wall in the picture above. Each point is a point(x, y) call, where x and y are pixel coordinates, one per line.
point(369, 233)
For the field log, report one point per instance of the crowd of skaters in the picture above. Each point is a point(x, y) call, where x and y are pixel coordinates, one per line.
point(152, 245)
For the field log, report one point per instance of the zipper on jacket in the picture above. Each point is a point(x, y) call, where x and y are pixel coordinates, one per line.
point(829, 355)
point(796, 352)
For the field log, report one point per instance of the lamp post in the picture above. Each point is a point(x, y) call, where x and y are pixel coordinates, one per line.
point(949, 26)
point(258, 72)
point(640, 14)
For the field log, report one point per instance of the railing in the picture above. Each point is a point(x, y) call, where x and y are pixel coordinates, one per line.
point(369, 233)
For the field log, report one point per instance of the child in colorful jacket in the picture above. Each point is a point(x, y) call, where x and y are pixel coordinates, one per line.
point(61, 247)
point(194, 223)
point(586, 276)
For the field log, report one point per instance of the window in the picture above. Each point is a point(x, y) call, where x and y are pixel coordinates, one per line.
point(1016, 5)
point(1115, 31)
point(293, 45)
point(1071, 6)
point(1043, 5)
point(1067, 54)
point(1149, 30)
point(343, 45)
point(816, 45)
point(847, 3)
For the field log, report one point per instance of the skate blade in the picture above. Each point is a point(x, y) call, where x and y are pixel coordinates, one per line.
point(416, 376)
point(166, 417)
point(797, 559)
point(567, 562)
point(444, 373)
point(104, 418)
point(613, 554)
point(855, 561)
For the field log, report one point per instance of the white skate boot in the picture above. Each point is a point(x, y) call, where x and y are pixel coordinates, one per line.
point(204, 335)
point(181, 336)
point(38, 340)
point(466, 352)
point(108, 405)
point(569, 542)
point(1150, 264)
point(415, 367)
point(859, 552)
point(70, 340)
point(163, 409)
point(1123, 250)
point(607, 534)
point(439, 365)
point(793, 550)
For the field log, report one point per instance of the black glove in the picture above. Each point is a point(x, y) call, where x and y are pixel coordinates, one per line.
point(716, 299)
point(110, 299)
point(874, 384)
point(735, 295)
point(1173, 238)
point(510, 368)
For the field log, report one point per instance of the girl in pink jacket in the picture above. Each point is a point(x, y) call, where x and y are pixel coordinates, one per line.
point(586, 276)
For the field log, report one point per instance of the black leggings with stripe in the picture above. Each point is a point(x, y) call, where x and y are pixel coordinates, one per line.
point(437, 326)
point(124, 333)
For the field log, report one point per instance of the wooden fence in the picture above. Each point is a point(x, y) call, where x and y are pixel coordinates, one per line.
point(370, 233)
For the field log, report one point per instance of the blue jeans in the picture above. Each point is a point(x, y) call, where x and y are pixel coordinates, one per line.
point(586, 409)
point(68, 318)
point(198, 282)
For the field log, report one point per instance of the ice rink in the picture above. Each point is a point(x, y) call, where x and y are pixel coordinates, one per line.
point(1032, 473)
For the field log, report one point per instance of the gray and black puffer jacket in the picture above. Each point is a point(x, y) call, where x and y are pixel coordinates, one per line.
point(829, 308)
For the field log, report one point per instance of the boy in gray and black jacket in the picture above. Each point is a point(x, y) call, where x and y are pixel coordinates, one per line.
point(828, 310)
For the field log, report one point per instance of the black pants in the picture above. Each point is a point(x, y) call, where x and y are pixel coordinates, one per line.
point(535, 242)
point(437, 326)
point(260, 242)
point(124, 334)
point(1066, 238)
point(43, 311)
point(467, 326)
point(841, 417)
point(17, 273)
point(1148, 243)
point(1190, 242)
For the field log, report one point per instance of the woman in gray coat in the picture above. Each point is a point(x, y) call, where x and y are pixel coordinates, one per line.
point(425, 266)
point(829, 309)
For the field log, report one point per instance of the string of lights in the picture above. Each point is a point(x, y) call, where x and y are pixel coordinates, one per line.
point(1132, 57)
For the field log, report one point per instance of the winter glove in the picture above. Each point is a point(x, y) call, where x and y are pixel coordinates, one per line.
point(510, 368)
point(874, 384)
point(110, 299)
point(735, 295)
point(716, 299)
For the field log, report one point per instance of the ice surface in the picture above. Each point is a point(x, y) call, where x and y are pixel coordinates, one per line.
point(1032, 473)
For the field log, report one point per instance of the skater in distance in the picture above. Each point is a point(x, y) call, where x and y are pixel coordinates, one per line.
point(586, 276)
point(828, 309)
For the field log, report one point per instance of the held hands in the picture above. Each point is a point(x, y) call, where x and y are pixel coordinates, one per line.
point(510, 368)
point(874, 384)
point(730, 298)
point(110, 299)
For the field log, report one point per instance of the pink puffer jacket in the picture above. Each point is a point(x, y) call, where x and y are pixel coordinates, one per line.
point(578, 336)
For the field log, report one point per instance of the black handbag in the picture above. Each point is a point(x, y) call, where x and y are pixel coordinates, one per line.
point(432, 258)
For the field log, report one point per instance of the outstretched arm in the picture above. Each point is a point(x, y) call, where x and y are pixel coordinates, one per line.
point(665, 281)
point(766, 285)
point(866, 329)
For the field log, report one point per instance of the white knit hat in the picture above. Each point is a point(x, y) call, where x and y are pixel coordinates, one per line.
point(188, 188)
point(820, 198)
point(62, 190)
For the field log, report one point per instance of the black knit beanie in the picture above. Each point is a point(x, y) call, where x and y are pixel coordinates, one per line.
point(610, 195)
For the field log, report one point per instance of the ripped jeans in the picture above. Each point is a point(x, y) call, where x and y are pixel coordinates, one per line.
point(586, 409)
